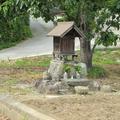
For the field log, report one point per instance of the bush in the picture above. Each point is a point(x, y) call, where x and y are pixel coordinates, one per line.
point(67, 68)
point(14, 30)
point(96, 72)
point(78, 69)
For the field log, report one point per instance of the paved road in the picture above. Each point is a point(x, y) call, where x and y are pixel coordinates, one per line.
point(40, 44)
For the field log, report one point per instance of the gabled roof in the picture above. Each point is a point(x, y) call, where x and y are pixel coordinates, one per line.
point(63, 28)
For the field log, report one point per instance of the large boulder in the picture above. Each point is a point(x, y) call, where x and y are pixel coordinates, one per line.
point(55, 70)
point(52, 87)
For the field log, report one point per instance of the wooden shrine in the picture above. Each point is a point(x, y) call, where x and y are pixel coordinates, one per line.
point(64, 39)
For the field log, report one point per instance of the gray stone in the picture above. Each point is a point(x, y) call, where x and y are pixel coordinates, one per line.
point(78, 82)
point(83, 69)
point(36, 83)
point(81, 90)
point(58, 87)
point(42, 88)
point(94, 86)
point(53, 89)
point(56, 69)
point(106, 88)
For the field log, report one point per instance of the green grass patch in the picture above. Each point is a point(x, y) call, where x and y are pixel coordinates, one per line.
point(97, 72)
point(10, 82)
point(109, 56)
point(42, 61)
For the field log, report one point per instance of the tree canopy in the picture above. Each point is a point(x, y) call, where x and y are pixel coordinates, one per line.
point(95, 18)
point(14, 24)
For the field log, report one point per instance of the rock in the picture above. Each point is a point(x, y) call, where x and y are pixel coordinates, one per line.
point(106, 88)
point(78, 82)
point(83, 70)
point(42, 88)
point(56, 69)
point(94, 86)
point(36, 83)
point(53, 89)
point(81, 90)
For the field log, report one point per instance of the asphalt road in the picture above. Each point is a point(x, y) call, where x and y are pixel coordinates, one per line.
point(39, 44)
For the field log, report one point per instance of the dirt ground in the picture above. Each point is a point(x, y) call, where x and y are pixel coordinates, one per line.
point(113, 76)
point(98, 106)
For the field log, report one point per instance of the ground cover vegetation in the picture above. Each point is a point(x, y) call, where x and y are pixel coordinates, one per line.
point(27, 70)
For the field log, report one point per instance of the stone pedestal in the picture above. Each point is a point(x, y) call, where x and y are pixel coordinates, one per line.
point(56, 69)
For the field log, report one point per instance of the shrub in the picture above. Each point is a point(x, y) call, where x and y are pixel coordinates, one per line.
point(67, 68)
point(78, 69)
point(14, 30)
point(96, 72)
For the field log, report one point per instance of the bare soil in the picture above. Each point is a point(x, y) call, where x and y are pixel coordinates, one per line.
point(97, 106)
point(113, 76)
point(100, 106)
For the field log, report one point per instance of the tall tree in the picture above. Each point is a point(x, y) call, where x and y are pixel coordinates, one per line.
point(95, 19)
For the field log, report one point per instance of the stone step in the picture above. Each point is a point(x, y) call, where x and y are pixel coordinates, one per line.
point(78, 82)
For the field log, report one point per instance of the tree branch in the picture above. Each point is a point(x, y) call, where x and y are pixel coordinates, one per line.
point(94, 46)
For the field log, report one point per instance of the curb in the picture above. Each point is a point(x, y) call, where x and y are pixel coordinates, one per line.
point(19, 111)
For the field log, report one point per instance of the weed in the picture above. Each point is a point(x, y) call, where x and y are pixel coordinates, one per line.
point(96, 72)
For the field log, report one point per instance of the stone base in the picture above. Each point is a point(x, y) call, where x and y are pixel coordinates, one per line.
point(76, 82)
point(53, 87)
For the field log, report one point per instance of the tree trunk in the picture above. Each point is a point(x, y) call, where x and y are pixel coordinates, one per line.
point(86, 52)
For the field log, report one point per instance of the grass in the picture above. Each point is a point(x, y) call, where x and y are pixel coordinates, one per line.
point(27, 70)
point(104, 57)
point(23, 71)
point(12, 90)
point(43, 61)
point(97, 72)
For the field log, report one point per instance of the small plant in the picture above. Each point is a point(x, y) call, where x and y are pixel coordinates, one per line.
point(67, 68)
point(96, 72)
point(78, 69)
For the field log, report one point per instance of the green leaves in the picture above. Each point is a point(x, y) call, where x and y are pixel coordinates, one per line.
point(91, 16)
point(108, 38)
